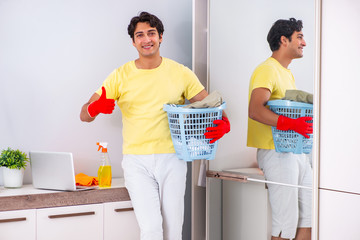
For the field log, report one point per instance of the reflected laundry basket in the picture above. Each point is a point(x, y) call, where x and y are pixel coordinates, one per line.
point(290, 141)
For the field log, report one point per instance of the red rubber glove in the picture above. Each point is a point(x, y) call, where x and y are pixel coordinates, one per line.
point(298, 125)
point(223, 126)
point(102, 105)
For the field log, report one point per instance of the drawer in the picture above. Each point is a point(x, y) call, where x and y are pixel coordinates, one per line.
point(13, 221)
point(74, 222)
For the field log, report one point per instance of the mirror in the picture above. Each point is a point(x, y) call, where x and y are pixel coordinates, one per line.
point(237, 34)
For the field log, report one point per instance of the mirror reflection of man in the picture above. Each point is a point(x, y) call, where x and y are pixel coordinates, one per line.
point(291, 207)
point(154, 176)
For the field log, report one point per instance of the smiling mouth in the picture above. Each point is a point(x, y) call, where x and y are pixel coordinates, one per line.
point(147, 46)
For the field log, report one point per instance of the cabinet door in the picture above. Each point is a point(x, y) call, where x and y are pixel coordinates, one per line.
point(15, 225)
point(246, 211)
point(120, 222)
point(75, 222)
point(339, 215)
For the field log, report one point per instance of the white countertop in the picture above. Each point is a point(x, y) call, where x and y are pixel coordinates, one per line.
point(28, 189)
point(248, 172)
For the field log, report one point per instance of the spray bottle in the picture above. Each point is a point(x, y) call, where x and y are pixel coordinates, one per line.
point(104, 172)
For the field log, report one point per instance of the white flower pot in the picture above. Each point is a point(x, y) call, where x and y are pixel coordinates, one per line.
point(13, 178)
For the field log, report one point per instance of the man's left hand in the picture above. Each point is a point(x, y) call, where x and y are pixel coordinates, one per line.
point(215, 133)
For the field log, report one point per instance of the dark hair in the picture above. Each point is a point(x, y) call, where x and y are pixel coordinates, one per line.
point(145, 17)
point(282, 28)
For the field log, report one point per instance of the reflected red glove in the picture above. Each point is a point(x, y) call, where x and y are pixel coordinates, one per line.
point(215, 133)
point(298, 125)
point(102, 105)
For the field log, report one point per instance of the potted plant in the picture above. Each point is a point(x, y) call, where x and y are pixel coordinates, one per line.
point(13, 163)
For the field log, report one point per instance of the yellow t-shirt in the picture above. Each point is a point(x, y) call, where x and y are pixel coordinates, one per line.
point(141, 94)
point(273, 76)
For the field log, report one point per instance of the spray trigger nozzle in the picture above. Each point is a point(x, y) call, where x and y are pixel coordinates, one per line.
point(102, 146)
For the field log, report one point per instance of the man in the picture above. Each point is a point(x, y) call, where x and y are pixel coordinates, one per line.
point(291, 207)
point(154, 176)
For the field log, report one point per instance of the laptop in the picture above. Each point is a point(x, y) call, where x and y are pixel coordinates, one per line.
point(54, 171)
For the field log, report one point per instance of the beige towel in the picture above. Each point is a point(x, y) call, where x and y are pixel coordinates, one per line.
point(214, 99)
point(298, 96)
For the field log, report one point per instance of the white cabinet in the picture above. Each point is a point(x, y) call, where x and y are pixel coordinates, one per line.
point(339, 155)
point(339, 215)
point(108, 221)
point(75, 222)
point(15, 225)
point(246, 211)
point(120, 221)
point(64, 215)
point(339, 188)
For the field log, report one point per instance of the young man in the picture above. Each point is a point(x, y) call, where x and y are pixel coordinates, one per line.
point(291, 207)
point(154, 176)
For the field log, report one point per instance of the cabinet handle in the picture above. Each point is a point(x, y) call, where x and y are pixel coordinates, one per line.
point(71, 215)
point(12, 220)
point(123, 209)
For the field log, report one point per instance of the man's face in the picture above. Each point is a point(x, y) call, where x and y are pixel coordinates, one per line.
point(295, 47)
point(146, 39)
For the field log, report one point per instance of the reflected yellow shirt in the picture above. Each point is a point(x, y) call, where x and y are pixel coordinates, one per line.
point(141, 94)
point(273, 76)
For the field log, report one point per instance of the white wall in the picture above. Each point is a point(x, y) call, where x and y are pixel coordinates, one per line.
point(55, 54)
point(238, 31)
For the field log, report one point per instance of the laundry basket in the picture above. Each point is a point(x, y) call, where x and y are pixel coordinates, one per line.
point(290, 141)
point(187, 128)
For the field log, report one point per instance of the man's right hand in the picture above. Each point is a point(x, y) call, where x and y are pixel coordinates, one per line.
point(102, 105)
point(299, 125)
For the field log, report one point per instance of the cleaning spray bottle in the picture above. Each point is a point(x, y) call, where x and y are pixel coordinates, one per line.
point(104, 172)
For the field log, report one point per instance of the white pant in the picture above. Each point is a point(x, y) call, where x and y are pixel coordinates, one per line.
point(290, 206)
point(156, 185)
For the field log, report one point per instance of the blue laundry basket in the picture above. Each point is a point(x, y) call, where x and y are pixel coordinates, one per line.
point(290, 141)
point(187, 128)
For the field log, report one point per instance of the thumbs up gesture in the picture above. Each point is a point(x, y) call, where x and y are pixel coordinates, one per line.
point(102, 105)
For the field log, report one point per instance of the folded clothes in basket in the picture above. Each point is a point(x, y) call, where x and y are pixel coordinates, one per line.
point(298, 96)
point(196, 147)
point(214, 99)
